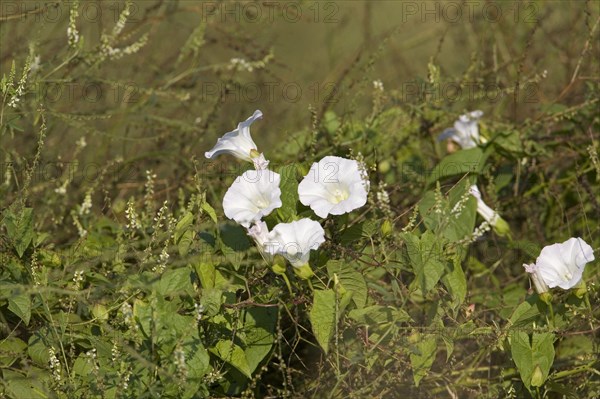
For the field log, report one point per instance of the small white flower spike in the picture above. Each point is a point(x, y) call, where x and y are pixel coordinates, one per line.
point(334, 186)
point(295, 240)
point(560, 265)
point(239, 143)
point(465, 131)
point(254, 194)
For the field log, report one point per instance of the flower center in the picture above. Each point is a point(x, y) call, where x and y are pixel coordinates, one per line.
point(339, 195)
point(262, 203)
point(254, 153)
point(567, 275)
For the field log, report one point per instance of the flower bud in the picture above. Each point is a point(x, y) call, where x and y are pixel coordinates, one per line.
point(304, 272)
point(386, 228)
point(279, 266)
point(501, 227)
point(546, 297)
point(537, 377)
point(581, 290)
point(384, 166)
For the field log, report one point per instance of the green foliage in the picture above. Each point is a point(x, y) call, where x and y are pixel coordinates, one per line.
point(323, 316)
point(533, 356)
point(19, 228)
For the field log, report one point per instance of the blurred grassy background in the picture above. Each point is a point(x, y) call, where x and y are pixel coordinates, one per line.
point(202, 67)
point(169, 101)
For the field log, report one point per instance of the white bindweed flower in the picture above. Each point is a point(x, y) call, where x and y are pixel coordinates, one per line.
point(465, 131)
point(239, 143)
point(252, 195)
point(560, 265)
point(491, 216)
point(334, 186)
point(295, 240)
point(260, 234)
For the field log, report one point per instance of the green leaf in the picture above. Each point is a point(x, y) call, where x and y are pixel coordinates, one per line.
point(456, 282)
point(259, 334)
point(525, 313)
point(532, 358)
point(289, 192)
point(82, 366)
point(143, 313)
point(460, 225)
point(37, 349)
point(11, 349)
point(19, 229)
point(350, 280)
point(232, 354)
point(233, 243)
point(210, 277)
point(185, 242)
point(509, 141)
point(20, 305)
point(352, 234)
point(197, 358)
point(175, 281)
point(211, 299)
point(19, 385)
point(210, 210)
point(422, 357)
point(426, 259)
point(471, 160)
point(183, 235)
point(322, 317)
point(185, 221)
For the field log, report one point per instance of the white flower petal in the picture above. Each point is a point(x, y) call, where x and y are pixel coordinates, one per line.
point(251, 196)
point(260, 234)
point(295, 240)
point(334, 185)
point(538, 282)
point(562, 264)
point(466, 131)
point(238, 142)
point(483, 209)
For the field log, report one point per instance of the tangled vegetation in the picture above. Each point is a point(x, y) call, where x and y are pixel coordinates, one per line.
point(121, 276)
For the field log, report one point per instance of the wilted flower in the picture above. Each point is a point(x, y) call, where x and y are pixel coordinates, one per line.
point(295, 240)
point(260, 234)
point(239, 143)
point(334, 186)
point(252, 195)
point(491, 216)
point(465, 131)
point(560, 265)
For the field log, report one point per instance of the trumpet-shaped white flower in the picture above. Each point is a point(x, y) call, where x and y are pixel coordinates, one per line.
point(560, 265)
point(491, 216)
point(465, 131)
point(334, 186)
point(260, 234)
point(252, 195)
point(295, 240)
point(239, 143)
